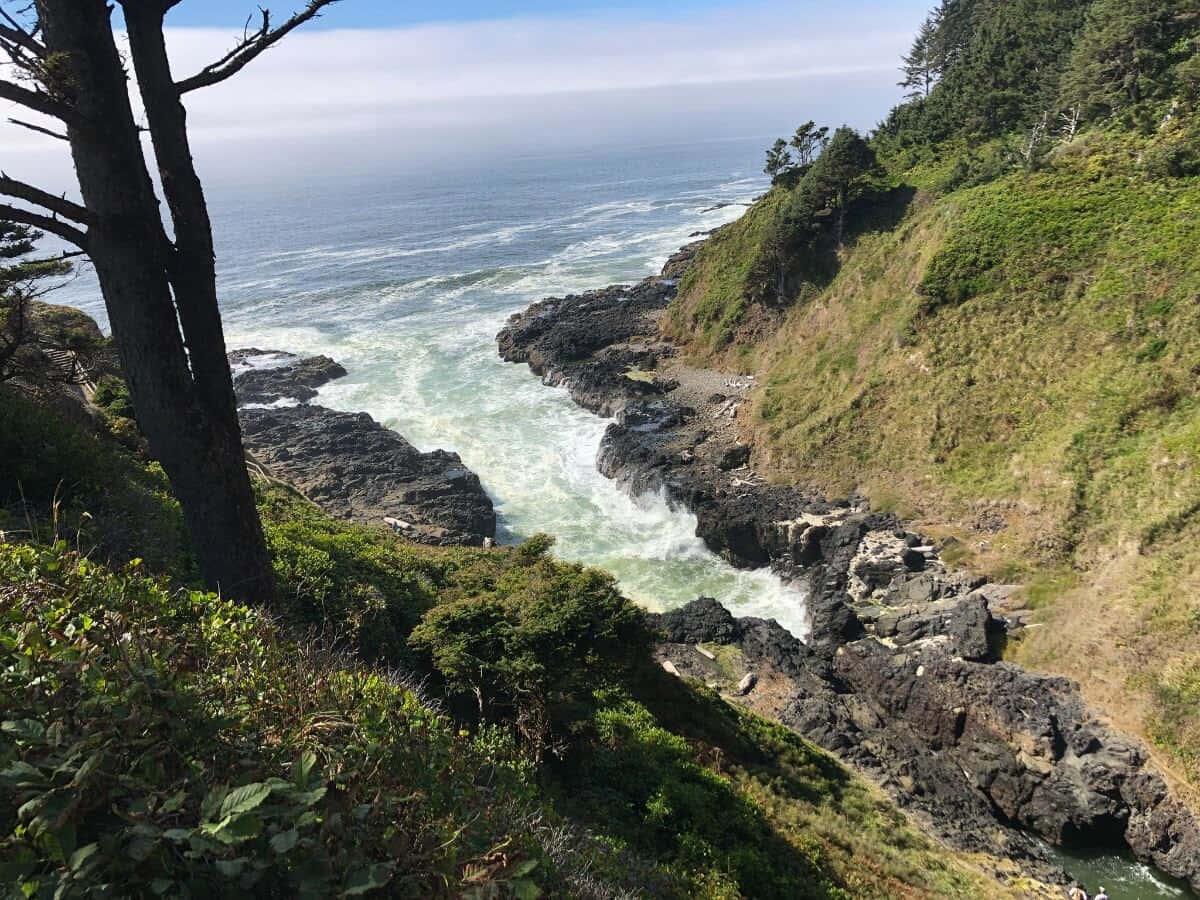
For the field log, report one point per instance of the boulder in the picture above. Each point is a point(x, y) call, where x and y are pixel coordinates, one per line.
point(356, 469)
point(286, 377)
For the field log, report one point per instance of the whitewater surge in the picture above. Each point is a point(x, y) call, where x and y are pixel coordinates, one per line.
point(406, 284)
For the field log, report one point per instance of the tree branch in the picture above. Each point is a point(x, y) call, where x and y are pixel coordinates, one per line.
point(10, 187)
point(19, 38)
point(18, 35)
point(39, 102)
point(68, 233)
point(251, 45)
point(39, 129)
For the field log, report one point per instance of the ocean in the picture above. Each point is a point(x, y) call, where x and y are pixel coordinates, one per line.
point(405, 279)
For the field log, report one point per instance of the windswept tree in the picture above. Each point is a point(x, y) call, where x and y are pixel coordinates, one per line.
point(159, 284)
point(808, 142)
point(922, 65)
point(779, 160)
point(840, 175)
point(23, 279)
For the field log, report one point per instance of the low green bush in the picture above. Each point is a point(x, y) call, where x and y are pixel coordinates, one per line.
point(170, 743)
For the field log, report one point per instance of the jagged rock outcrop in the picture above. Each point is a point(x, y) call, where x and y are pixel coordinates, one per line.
point(899, 676)
point(984, 752)
point(349, 464)
point(284, 377)
point(356, 469)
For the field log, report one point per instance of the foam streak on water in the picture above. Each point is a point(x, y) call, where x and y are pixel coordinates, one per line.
point(406, 281)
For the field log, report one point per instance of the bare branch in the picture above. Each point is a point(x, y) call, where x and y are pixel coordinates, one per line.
point(251, 45)
point(39, 129)
point(14, 31)
point(21, 38)
point(68, 233)
point(39, 102)
point(61, 206)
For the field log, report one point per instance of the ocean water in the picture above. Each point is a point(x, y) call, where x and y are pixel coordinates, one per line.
point(406, 278)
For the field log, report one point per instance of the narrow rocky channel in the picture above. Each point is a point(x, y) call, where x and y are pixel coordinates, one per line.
point(901, 674)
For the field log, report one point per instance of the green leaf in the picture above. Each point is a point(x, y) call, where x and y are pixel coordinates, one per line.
point(522, 868)
point(303, 767)
point(87, 768)
point(140, 848)
point(28, 730)
point(230, 868)
point(285, 841)
point(212, 802)
point(160, 886)
point(524, 889)
point(22, 774)
point(241, 828)
point(80, 856)
point(363, 881)
point(244, 799)
point(174, 802)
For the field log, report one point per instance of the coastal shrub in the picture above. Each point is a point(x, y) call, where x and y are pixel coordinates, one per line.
point(536, 644)
point(60, 479)
point(170, 743)
point(112, 398)
point(649, 786)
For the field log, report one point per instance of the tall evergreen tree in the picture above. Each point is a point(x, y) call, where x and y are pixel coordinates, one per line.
point(922, 64)
point(1131, 51)
point(22, 281)
point(159, 285)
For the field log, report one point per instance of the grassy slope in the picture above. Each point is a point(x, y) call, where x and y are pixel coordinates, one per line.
point(666, 791)
point(1023, 354)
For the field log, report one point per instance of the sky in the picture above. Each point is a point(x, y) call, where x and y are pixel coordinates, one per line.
point(379, 85)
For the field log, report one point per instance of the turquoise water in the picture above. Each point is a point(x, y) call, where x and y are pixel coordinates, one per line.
point(1122, 876)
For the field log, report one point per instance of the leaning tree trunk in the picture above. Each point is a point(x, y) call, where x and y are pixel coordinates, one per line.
point(182, 392)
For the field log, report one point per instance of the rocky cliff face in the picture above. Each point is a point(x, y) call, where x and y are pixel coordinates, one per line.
point(900, 679)
point(348, 463)
point(901, 674)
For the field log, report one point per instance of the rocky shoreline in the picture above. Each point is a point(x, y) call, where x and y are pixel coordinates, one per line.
point(349, 464)
point(901, 676)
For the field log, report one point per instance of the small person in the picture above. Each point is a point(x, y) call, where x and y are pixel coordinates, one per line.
point(1101, 895)
point(1077, 892)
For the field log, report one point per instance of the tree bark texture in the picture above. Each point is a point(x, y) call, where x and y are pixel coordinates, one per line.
point(160, 296)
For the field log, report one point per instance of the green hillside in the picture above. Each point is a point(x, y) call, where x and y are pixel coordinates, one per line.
point(406, 722)
point(1007, 348)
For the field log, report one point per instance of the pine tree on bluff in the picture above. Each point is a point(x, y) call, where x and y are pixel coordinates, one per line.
point(159, 286)
point(1132, 51)
point(808, 142)
point(840, 174)
point(922, 65)
point(779, 160)
point(22, 281)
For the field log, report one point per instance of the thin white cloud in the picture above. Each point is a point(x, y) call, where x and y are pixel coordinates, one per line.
point(519, 79)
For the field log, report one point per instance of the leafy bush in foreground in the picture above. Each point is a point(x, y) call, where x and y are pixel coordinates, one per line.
point(170, 744)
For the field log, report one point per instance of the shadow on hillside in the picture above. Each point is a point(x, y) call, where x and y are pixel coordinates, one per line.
point(881, 211)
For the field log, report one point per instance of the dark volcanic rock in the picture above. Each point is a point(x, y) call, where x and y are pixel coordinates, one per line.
point(296, 379)
point(356, 469)
point(984, 753)
point(898, 676)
